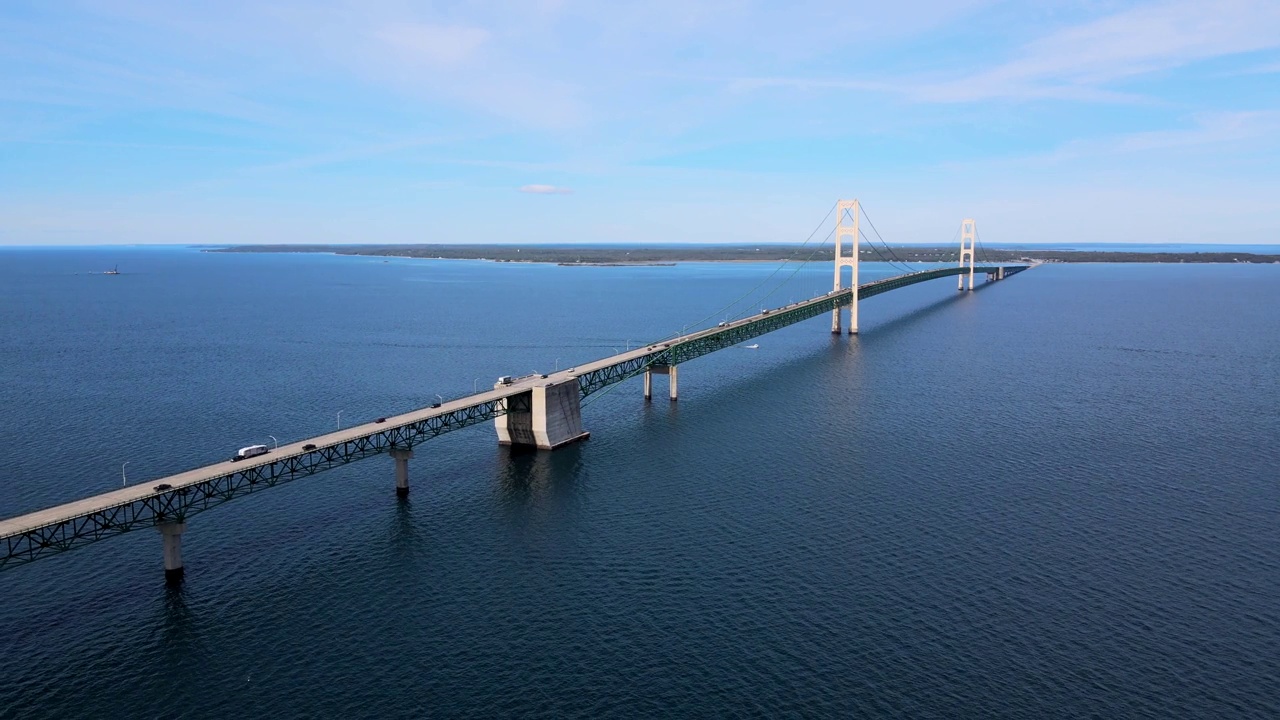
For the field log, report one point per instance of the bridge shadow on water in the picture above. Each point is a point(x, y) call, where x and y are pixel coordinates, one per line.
point(805, 362)
point(911, 317)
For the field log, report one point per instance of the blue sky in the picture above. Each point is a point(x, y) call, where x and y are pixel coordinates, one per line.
point(659, 121)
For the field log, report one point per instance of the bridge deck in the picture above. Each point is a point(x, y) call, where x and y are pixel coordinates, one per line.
point(33, 535)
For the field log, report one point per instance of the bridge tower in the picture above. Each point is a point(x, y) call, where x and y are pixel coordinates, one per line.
point(851, 208)
point(968, 234)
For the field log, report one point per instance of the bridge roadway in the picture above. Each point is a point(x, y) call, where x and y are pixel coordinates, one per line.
point(35, 535)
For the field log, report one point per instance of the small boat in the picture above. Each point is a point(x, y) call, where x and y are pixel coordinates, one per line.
point(113, 271)
point(754, 346)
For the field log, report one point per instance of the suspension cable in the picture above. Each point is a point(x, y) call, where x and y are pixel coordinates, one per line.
point(776, 270)
point(883, 259)
point(799, 267)
point(982, 252)
point(877, 232)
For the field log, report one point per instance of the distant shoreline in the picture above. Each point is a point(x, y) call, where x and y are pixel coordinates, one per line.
point(648, 256)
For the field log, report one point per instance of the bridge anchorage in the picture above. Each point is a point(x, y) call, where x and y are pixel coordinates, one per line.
point(542, 411)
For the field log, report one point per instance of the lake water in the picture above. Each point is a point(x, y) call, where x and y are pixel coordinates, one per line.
point(1054, 497)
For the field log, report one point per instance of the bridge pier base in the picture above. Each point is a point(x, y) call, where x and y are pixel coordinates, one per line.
point(648, 385)
point(172, 536)
point(402, 457)
point(550, 416)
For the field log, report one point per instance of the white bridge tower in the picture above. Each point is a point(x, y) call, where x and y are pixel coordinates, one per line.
point(854, 211)
point(968, 233)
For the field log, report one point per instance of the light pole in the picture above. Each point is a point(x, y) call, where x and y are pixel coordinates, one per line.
point(557, 364)
point(440, 398)
point(275, 444)
point(475, 384)
point(339, 419)
point(123, 480)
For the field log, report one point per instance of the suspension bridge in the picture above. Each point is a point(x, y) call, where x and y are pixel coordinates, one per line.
point(538, 410)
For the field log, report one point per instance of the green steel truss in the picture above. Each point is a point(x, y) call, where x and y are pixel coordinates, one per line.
point(177, 504)
point(705, 342)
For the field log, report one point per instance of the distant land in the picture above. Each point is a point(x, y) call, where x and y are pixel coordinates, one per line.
point(666, 254)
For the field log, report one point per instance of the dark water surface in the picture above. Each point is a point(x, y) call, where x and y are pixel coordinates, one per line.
point(1058, 496)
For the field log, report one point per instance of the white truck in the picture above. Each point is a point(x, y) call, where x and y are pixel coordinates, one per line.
point(251, 451)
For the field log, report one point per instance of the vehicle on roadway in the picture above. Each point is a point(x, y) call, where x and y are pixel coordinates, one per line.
point(309, 446)
point(380, 420)
point(251, 451)
point(162, 487)
point(504, 380)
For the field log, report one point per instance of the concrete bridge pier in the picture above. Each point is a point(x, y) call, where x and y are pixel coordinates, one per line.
point(548, 417)
point(672, 380)
point(402, 457)
point(171, 533)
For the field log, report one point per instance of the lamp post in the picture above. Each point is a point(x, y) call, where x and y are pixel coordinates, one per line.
point(123, 479)
point(475, 384)
point(275, 444)
point(440, 398)
point(339, 419)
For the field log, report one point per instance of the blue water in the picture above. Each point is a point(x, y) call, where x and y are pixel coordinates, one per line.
point(1053, 497)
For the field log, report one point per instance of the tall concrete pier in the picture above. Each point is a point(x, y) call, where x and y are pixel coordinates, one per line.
point(852, 210)
point(172, 536)
point(968, 235)
point(402, 458)
point(672, 381)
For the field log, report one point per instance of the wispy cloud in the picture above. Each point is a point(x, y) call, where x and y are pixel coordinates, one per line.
point(1077, 62)
point(1083, 62)
point(545, 190)
point(435, 44)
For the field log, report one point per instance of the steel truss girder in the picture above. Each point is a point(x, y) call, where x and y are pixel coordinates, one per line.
point(178, 504)
point(679, 352)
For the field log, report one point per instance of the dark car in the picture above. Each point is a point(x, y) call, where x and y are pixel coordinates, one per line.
point(380, 420)
point(309, 446)
point(435, 404)
point(236, 458)
point(162, 487)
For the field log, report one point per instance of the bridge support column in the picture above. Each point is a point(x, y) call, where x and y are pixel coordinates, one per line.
point(402, 457)
point(548, 417)
point(171, 533)
point(852, 210)
point(648, 385)
point(968, 235)
point(672, 380)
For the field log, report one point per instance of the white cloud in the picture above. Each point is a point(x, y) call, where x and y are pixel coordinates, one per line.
point(435, 44)
point(1075, 62)
point(545, 190)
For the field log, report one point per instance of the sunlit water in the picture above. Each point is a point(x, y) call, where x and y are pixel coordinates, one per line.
point(1056, 496)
